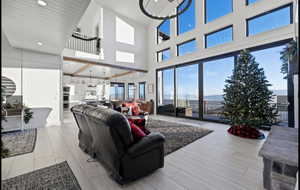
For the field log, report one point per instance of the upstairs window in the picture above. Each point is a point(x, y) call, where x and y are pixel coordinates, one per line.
point(186, 21)
point(163, 55)
point(269, 21)
point(163, 31)
point(124, 32)
point(126, 57)
point(251, 1)
point(217, 8)
point(186, 47)
point(219, 37)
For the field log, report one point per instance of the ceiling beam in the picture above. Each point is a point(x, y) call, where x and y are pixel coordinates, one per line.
point(81, 69)
point(85, 76)
point(98, 63)
point(121, 74)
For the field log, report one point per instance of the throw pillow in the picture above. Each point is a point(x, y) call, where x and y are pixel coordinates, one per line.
point(141, 124)
point(137, 133)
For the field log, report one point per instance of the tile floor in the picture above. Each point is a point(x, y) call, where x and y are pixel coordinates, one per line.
point(217, 161)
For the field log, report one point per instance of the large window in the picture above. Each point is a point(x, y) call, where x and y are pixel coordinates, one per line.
point(163, 55)
point(217, 8)
point(124, 32)
point(165, 92)
point(219, 37)
point(186, 47)
point(269, 21)
point(186, 21)
point(214, 75)
point(269, 60)
point(163, 31)
point(126, 57)
point(187, 91)
point(251, 1)
point(117, 91)
point(142, 90)
point(131, 91)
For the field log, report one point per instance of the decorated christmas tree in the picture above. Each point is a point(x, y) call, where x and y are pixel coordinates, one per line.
point(247, 99)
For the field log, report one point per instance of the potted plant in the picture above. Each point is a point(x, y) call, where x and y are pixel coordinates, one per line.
point(247, 99)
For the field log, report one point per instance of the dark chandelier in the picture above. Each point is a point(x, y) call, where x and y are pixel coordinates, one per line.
point(161, 17)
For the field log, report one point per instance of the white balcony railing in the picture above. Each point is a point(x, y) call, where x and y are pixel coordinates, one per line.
point(81, 42)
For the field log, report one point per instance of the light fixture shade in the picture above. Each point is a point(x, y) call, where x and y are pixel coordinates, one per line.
point(143, 7)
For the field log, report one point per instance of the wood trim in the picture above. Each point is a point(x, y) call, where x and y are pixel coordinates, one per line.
point(121, 74)
point(85, 76)
point(81, 69)
point(98, 63)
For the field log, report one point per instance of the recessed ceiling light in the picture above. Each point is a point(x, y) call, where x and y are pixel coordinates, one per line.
point(40, 43)
point(42, 3)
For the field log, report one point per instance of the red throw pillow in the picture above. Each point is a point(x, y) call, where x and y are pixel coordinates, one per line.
point(141, 124)
point(137, 133)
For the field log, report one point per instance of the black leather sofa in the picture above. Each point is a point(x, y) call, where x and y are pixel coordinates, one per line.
point(106, 134)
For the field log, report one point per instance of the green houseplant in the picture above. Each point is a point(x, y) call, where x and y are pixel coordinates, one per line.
point(288, 53)
point(247, 99)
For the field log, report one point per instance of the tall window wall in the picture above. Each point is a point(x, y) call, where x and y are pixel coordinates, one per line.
point(196, 89)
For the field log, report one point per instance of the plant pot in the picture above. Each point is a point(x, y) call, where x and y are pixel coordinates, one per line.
point(246, 132)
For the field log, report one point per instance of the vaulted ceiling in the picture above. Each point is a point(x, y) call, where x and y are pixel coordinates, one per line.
point(25, 23)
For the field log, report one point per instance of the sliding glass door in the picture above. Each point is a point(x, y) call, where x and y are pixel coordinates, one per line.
point(187, 91)
point(165, 92)
point(214, 75)
point(269, 60)
point(195, 90)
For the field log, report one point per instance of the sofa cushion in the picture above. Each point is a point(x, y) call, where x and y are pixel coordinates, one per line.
point(137, 133)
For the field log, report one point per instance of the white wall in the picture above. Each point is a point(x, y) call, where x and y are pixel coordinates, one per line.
point(40, 82)
point(107, 24)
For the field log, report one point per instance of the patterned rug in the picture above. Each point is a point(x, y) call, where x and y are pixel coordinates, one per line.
point(177, 135)
point(58, 176)
point(19, 142)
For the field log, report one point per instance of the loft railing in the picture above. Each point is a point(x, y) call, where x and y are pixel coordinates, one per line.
point(84, 43)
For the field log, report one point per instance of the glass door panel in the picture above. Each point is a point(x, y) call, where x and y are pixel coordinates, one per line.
point(165, 81)
point(214, 75)
point(187, 91)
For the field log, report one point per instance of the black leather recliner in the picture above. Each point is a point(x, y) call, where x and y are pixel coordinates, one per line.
point(84, 135)
point(113, 144)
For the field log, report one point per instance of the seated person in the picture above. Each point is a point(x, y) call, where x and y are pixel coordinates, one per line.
point(134, 108)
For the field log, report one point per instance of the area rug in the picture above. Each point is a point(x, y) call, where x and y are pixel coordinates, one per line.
point(19, 142)
point(58, 176)
point(177, 135)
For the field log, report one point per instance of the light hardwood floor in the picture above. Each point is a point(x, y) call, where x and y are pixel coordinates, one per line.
point(218, 161)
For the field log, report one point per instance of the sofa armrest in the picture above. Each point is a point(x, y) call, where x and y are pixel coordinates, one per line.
point(146, 144)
